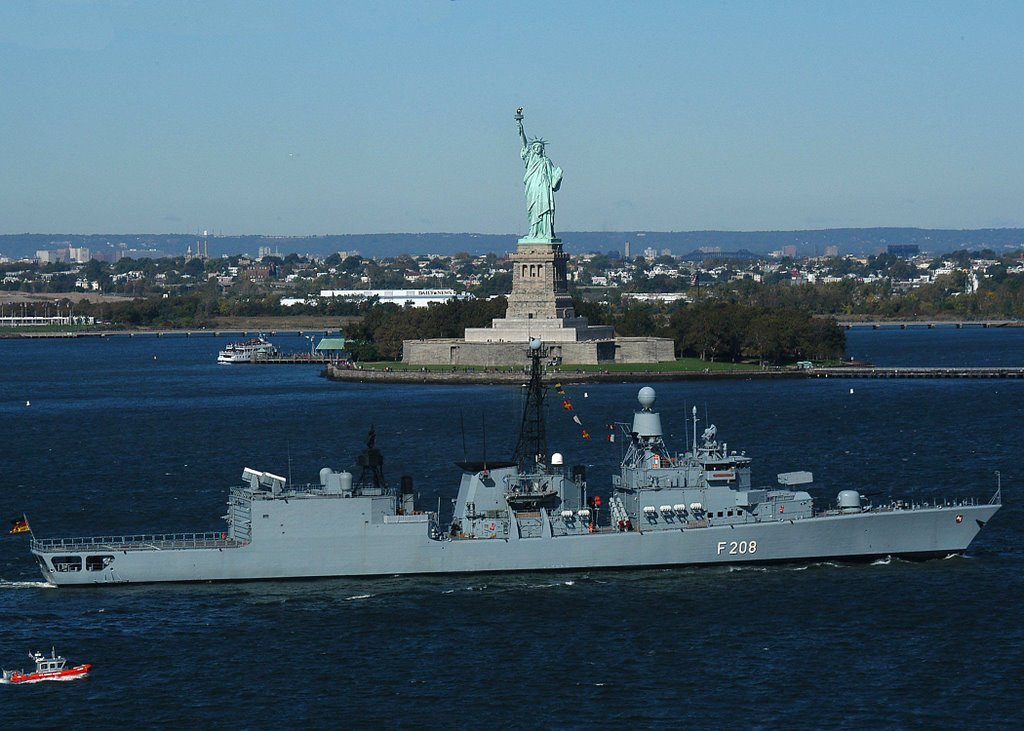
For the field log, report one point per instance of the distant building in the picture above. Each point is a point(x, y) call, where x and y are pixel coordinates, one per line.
point(789, 250)
point(401, 297)
point(41, 321)
point(78, 254)
point(831, 251)
point(907, 250)
point(110, 256)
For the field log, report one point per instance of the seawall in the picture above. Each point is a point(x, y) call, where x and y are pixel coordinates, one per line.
point(516, 377)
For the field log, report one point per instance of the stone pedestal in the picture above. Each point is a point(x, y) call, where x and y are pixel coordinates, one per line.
point(540, 305)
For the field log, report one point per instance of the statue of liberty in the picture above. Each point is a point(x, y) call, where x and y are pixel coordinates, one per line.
point(541, 180)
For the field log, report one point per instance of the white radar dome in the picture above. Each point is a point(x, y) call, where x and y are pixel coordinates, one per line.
point(646, 397)
point(556, 458)
point(535, 343)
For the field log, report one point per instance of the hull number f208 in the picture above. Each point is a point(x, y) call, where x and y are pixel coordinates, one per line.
point(737, 548)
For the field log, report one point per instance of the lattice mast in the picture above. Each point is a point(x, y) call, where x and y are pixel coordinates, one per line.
point(532, 447)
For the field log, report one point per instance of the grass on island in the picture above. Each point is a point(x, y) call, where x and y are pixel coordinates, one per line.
point(689, 365)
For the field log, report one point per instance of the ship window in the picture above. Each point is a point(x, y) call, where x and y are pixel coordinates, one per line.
point(67, 563)
point(720, 514)
point(730, 513)
point(97, 563)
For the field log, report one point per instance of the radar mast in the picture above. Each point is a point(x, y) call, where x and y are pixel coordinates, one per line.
point(532, 447)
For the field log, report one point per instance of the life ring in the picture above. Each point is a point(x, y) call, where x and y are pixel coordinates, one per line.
point(492, 526)
point(959, 519)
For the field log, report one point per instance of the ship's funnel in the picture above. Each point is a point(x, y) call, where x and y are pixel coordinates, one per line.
point(646, 423)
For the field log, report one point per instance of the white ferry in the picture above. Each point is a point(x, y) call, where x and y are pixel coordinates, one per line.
point(246, 351)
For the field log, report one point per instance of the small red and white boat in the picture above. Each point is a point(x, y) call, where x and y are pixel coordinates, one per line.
point(47, 668)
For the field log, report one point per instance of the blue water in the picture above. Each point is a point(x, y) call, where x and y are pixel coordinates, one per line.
point(943, 346)
point(133, 435)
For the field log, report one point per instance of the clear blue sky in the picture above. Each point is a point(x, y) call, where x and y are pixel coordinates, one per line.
point(332, 117)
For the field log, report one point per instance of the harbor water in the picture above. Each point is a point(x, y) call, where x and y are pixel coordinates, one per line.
point(138, 435)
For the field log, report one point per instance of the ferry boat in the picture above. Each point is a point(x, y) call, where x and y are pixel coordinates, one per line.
point(52, 668)
point(246, 351)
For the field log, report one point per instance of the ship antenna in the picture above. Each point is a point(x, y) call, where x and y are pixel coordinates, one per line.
point(483, 431)
point(289, 446)
point(694, 431)
point(462, 425)
point(686, 431)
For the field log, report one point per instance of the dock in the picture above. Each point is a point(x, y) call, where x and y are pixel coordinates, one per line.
point(925, 324)
point(288, 358)
point(857, 372)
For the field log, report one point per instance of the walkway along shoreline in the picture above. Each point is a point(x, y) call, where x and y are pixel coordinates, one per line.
point(454, 376)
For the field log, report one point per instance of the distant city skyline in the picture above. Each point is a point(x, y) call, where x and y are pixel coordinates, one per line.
point(345, 118)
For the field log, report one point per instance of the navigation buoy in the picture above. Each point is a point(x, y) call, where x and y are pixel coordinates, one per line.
point(28, 403)
point(586, 395)
point(851, 390)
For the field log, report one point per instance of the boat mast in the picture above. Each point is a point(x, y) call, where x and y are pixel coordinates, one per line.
point(532, 447)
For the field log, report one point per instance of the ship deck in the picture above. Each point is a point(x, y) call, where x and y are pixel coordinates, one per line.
point(155, 542)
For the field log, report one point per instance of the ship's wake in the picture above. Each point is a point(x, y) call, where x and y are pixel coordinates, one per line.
point(4, 584)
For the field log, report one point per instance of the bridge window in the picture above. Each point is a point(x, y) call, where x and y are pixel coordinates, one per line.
point(97, 563)
point(67, 563)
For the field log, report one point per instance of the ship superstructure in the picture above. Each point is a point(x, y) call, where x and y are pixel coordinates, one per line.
point(664, 508)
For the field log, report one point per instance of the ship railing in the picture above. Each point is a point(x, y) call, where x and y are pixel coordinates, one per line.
point(139, 542)
point(901, 505)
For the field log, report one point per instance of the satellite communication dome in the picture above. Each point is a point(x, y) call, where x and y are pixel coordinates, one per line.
point(534, 343)
point(556, 458)
point(646, 397)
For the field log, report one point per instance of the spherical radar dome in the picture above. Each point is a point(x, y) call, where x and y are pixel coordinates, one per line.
point(646, 397)
point(535, 343)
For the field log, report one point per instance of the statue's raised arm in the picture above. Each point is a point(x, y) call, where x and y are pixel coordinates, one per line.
point(519, 121)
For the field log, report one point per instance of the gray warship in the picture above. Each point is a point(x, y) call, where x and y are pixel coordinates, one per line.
point(664, 509)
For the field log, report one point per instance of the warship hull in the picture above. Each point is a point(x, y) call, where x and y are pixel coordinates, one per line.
point(309, 545)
